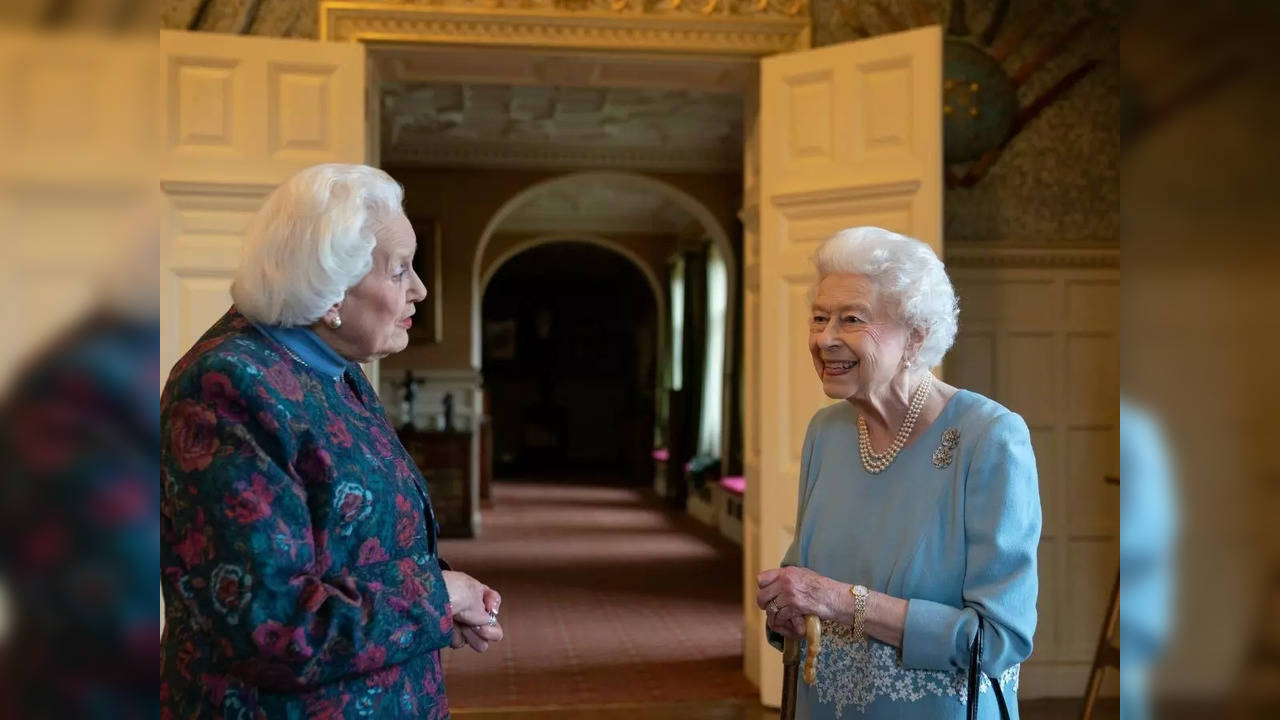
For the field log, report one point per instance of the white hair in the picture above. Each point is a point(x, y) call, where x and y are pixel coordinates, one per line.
point(908, 276)
point(312, 241)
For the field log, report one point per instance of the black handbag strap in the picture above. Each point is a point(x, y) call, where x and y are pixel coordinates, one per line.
point(975, 675)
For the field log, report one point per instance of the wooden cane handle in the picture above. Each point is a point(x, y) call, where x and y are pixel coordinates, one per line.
point(813, 646)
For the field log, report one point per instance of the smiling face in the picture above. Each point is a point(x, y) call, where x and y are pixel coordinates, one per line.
point(377, 312)
point(857, 346)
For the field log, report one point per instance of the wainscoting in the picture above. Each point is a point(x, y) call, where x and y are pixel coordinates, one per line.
point(1038, 333)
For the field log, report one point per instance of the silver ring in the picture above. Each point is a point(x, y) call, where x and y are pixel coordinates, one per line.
point(493, 620)
point(773, 607)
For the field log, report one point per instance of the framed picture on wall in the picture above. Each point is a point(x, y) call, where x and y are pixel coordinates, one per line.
point(500, 339)
point(428, 323)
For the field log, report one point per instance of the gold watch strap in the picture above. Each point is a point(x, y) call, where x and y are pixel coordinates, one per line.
point(860, 597)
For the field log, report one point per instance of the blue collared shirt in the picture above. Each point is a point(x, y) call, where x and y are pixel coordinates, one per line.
point(306, 346)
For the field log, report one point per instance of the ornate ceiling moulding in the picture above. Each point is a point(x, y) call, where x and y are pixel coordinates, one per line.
point(732, 27)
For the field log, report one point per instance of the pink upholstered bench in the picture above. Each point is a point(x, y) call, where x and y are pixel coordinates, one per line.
point(735, 484)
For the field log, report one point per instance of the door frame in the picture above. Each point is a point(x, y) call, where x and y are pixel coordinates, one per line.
point(738, 32)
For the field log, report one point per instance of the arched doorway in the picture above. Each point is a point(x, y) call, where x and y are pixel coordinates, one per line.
point(626, 206)
point(609, 248)
point(698, 213)
point(570, 358)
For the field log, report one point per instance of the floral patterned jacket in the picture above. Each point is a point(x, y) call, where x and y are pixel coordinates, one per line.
point(298, 544)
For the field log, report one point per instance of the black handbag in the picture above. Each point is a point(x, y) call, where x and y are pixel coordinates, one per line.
point(975, 673)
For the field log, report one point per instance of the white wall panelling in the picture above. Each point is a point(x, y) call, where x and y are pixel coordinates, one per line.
point(1038, 333)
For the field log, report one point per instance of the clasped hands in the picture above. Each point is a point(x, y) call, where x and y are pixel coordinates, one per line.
point(475, 610)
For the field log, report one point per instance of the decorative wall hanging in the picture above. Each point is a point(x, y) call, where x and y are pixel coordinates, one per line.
point(980, 107)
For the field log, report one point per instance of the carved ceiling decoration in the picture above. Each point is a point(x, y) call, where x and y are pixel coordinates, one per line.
point(508, 126)
point(593, 204)
point(745, 27)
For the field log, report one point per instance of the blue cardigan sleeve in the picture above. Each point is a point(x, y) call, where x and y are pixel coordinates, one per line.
point(1002, 531)
point(249, 566)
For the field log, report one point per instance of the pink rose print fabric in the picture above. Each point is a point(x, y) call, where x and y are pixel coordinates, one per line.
point(298, 544)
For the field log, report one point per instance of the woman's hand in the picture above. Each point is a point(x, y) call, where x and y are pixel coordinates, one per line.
point(473, 602)
point(795, 592)
point(477, 637)
point(788, 594)
point(792, 628)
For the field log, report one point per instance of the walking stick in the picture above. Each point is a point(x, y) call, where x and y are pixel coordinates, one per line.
point(790, 670)
point(791, 663)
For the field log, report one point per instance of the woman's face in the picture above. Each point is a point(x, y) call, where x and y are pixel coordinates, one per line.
point(857, 346)
point(377, 313)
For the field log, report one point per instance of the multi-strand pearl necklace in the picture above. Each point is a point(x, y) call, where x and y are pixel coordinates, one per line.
point(876, 462)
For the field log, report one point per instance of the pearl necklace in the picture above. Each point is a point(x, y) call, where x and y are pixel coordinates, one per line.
point(876, 462)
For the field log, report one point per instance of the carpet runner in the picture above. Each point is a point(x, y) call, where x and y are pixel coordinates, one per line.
point(608, 597)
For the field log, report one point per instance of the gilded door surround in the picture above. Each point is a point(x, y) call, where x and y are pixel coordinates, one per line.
point(751, 28)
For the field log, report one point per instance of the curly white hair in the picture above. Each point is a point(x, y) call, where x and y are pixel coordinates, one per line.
point(311, 241)
point(908, 276)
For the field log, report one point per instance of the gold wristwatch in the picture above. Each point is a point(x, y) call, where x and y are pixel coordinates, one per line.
point(860, 596)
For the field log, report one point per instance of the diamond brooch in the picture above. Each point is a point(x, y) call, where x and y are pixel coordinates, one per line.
point(950, 440)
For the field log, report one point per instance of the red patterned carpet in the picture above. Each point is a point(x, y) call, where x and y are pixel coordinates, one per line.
point(607, 598)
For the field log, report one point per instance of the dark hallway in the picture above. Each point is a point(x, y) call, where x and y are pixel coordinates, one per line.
point(570, 333)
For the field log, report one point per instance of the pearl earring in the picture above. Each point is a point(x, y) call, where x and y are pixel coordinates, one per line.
point(336, 322)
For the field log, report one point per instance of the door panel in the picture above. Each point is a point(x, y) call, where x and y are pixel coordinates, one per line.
point(849, 134)
point(240, 115)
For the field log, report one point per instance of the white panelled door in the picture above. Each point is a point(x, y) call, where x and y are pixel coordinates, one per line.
point(239, 115)
point(849, 134)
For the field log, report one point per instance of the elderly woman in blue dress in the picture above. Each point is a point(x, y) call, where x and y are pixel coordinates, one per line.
point(298, 544)
point(919, 510)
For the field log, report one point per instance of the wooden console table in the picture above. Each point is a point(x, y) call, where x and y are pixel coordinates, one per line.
point(444, 459)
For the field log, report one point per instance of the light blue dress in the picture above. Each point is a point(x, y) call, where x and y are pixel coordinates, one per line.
point(953, 532)
point(1148, 538)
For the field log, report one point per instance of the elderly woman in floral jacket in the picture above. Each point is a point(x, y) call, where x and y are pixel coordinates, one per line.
point(299, 564)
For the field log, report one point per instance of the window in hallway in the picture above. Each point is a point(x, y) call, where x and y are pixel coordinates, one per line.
point(711, 424)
